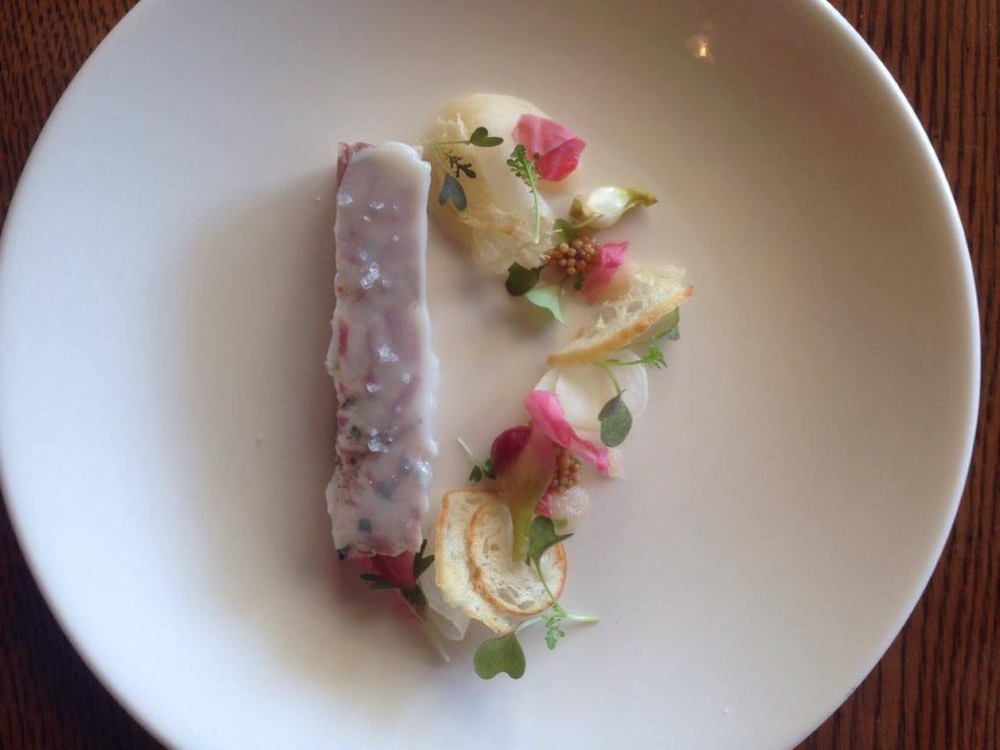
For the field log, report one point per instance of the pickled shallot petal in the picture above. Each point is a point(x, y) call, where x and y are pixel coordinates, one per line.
point(583, 389)
point(547, 416)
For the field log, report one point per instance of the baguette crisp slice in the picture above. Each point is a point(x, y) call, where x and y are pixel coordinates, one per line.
point(510, 586)
point(473, 565)
point(654, 292)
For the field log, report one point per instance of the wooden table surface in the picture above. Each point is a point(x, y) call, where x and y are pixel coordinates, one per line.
point(939, 684)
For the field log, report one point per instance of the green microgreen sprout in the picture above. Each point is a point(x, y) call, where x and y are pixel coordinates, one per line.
point(525, 168)
point(455, 166)
point(616, 422)
point(546, 296)
point(521, 280)
point(480, 469)
point(615, 417)
point(504, 653)
point(564, 230)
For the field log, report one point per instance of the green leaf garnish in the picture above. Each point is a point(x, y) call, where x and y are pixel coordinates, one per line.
point(652, 358)
point(452, 190)
point(415, 596)
point(481, 137)
point(541, 537)
point(616, 422)
point(460, 166)
point(520, 280)
point(578, 282)
point(525, 168)
point(565, 230)
point(378, 583)
point(480, 469)
point(504, 653)
point(501, 654)
point(663, 329)
point(421, 563)
point(457, 166)
point(667, 328)
point(552, 618)
point(546, 296)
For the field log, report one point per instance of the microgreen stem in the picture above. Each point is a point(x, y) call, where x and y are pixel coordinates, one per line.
point(468, 451)
point(436, 144)
point(603, 364)
point(538, 569)
point(555, 603)
point(581, 225)
point(538, 212)
point(437, 154)
point(435, 641)
point(568, 616)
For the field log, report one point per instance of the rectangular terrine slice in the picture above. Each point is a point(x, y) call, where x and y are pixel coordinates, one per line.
point(380, 356)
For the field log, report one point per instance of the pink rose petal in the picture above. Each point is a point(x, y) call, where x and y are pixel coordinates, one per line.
point(609, 260)
point(559, 163)
point(555, 148)
point(548, 417)
point(507, 447)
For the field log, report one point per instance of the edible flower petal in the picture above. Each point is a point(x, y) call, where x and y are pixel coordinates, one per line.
point(598, 277)
point(547, 416)
point(555, 148)
point(604, 206)
point(524, 461)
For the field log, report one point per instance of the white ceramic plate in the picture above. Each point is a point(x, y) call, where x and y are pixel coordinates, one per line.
point(166, 418)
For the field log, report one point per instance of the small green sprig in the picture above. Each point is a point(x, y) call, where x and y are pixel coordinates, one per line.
point(652, 358)
point(480, 469)
point(504, 653)
point(615, 417)
point(526, 169)
point(521, 280)
point(565, 230)
point(524, 282)
point(455, 166)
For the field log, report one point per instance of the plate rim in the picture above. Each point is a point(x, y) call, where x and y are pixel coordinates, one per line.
point(841, 32)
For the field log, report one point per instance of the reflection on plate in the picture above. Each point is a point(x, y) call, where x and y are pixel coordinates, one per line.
point(165, 293)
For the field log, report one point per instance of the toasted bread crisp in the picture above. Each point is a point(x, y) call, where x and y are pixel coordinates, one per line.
point(655, 292)
point(511, 586)
point(473, 564)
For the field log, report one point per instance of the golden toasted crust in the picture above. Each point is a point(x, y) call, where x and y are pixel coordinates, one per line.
point(473, 568)
point(512, 587)
point(618, 338)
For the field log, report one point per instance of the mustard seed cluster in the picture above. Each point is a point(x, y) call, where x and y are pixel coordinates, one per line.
point(567, 471)
point(577, 256)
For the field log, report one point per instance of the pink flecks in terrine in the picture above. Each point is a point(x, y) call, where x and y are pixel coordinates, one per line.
point(380, 355)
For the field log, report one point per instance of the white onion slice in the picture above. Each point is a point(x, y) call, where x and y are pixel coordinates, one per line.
point(446, 619)
point(584, 389)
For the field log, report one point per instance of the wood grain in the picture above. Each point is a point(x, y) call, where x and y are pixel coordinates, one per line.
point(939, 684)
